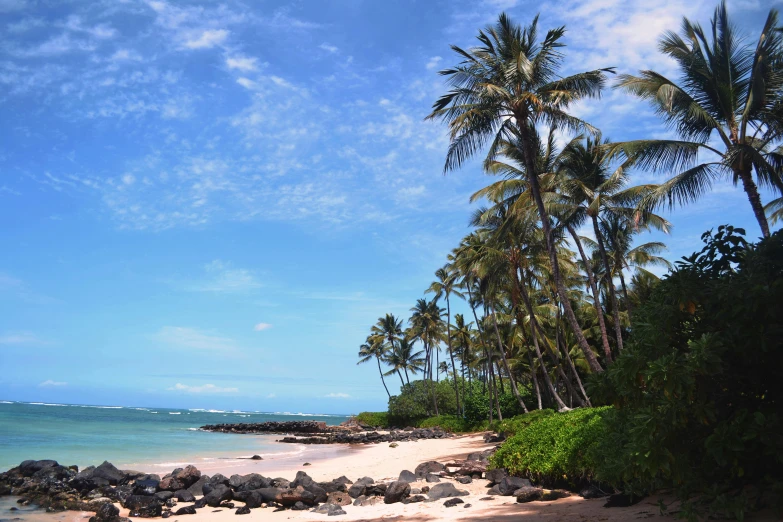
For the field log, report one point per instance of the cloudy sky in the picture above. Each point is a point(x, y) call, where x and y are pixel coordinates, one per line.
point(207, 204)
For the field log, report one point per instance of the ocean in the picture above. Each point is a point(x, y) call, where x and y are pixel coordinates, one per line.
point(132, 438)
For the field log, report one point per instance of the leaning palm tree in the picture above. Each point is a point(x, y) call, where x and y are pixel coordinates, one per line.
point(726, 107)
point(373, 347)
point(503, 89)
point(444, 285)
point(403, 357)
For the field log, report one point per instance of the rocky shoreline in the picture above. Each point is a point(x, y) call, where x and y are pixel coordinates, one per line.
point(312, 432)
point(186, 490)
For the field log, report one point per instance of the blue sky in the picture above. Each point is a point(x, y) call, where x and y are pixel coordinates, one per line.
point(208, 204)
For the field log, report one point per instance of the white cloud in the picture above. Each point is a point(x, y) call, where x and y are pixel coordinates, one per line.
point(128, 179)
point(122, 55)
point(260, 327)
point(241, 63)
point(7, 6)
point(224, 278)
point(247, 83)
point(271, 396)
point(204, 388)
point(50, 382)
point(208, 39)
point(337, 396)
point(193, 338)
point(433, 63)
point(20, 337)
point(328, 48)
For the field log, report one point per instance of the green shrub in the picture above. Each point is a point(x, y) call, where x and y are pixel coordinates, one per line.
point(476, 400)
point(555, 449)
point(414, 403)
point(515, 424)
point(698, 387)
point(376, 419)
point(453, 424)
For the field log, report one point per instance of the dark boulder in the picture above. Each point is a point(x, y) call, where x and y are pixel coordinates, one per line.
point(509, 485)
point(333, 487)
point(143, 506)
point(592, 492)
point(163, 496)
point(338, 497)
point(407, 476)
point(494, 476)
point(183, 495)
point(218, 494)
point(187, 510)
point(432, 478)
point(145, 487)
point(299, 506)
point(357, 490)
point(329, 509)
point(107, 512)
point(453, 502)
point(197, 488)
point(343, 480)
point(622, 500)
point(108, 471)
point(444, 490)
point(251, 482)
point(377, 489)
point(244, 510)
point(425, 468)
point(528, 494)
point(290, 496)
point(305, 481)
point(396, 491)
point(414, 499)
point(464, 480)
point(30, 467)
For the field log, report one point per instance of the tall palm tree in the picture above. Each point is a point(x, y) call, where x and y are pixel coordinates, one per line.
point(503, 89)
point(591, 188)
point(427, 326)
point(726, 106)
point(374, 347)
point(389, 328)
point(403, 357)
point(444, 285)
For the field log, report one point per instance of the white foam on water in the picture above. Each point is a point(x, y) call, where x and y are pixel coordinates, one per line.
point(175, 413)
point(6, 402)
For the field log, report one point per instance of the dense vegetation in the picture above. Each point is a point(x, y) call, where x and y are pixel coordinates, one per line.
point(689, 364)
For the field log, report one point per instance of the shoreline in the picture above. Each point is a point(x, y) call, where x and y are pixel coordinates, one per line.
point(383, 464)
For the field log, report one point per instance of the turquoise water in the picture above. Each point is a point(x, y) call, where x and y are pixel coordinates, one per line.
point(130, 437)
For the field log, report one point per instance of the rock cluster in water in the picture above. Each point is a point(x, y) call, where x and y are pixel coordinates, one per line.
point(56, 487)
point(320, 433)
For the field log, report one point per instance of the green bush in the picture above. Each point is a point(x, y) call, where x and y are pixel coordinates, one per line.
point(453, 424)
point(477, 402)
point(514, 425)
point(414, 403)
point(555, 449)
point(376, 419)
point(698, 387)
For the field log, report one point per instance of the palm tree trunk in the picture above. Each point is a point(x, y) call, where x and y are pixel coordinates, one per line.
point(400, 374)
point(514, 389)
point(625, 292)
point(596, 296)
point(755, 200)
point(576, 374)
point(451, 353)
point(382, 379)
point(534, 377)
point(407, 379)
point(494, 388)
point(535, 189)
point(610, 283)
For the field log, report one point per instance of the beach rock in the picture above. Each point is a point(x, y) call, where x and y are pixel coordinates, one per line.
point(200, 503)
point(299, 506)
point(366, 501)
point(131, 475)
point(357, 490)
point(107, 512)
point(509, 485)
point(377, 490)
point(141, 506)
point(184, 495)
point(329, 509)
point(170, 503)
point(145, 487)
point(487, 498)
point(467, 506)
point(473, 467)
point(453, 502)
point(432, 478)
point(244, 510)
point(622, 500)
point(494, 476)
point(305, 481)
point(425, 489)
point(414, 499)
point(197, 488)
point(343, 480)
point(393, 445)
point(250, 482)
point(365, 480)
point(444, 490)
point(425, 468)
point(290, 496)
point(396, 491)
point(592, 492)
point(333, 486)
point(494, 490)
point(555, 494)
point(464, 480)
point(30, 467)
point(256, 498)
point(187, 510)
point(171, 483)
point(108, 471)
point(256, 457)
point(163, 496)
point(338, 497)
point(407, 476)
point(235, 481)
point(528, 494)
point(218, 494)
point(165, 514)
point(280, 482)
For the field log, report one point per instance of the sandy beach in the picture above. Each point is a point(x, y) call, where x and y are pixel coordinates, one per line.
point(384, 464)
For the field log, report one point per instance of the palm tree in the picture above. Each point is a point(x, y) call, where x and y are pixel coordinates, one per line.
point(503, 90)
point(727, 105)
point(592, 188)
point(445, 285)
point(402, 357)
point(374, 347)
point(427, 326)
